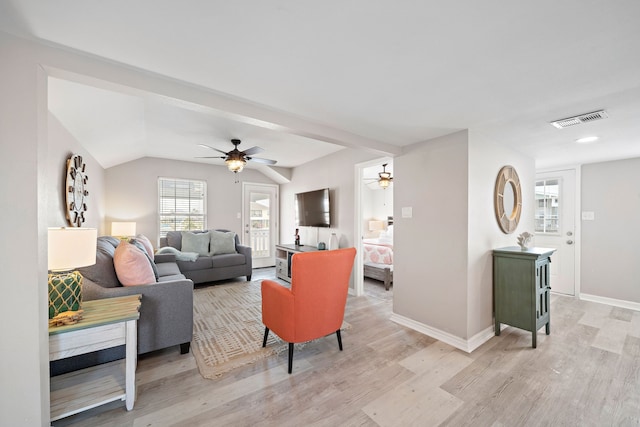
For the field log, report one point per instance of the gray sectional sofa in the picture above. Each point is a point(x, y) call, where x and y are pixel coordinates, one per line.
point(166, 312)
point(210, 268)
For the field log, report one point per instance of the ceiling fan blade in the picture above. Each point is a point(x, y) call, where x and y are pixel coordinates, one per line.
point(211, 157)
point(215, 149)
point(253, 150)
point(263, 161)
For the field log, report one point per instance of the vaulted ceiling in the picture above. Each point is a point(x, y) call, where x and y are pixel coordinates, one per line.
point(391, 72)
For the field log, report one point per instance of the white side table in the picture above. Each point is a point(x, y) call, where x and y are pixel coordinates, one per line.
point(106, 323)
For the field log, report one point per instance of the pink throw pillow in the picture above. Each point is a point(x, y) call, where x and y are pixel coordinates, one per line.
point(132, 265)
point(146, 243)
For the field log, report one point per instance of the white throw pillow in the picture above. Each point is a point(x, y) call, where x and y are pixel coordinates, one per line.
point(222, 242)
point(195, 242)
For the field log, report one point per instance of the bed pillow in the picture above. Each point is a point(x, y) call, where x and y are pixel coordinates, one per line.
point(222, 242)
point(195, 242)
point(132, 265)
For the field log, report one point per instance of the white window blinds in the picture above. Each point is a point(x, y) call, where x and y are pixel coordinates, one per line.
point(181, 205)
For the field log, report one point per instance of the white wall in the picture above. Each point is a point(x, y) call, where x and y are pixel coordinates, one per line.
point(376, 205)
point(132, 192)
point(609, 249)
point(61, 146)
point(24, 371)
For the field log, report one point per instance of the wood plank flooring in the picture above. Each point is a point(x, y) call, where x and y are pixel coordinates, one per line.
point(586, 373)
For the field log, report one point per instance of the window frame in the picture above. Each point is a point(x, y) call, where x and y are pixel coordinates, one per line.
point(160, 197)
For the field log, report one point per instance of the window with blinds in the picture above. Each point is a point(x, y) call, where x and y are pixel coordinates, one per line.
point(181, 205)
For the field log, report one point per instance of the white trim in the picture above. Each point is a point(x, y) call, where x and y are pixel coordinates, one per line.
point(611, 301)
point(461, 344)
point(577, 223)
point(274, 224)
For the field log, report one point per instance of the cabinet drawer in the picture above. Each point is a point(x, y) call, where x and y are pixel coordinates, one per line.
point(86, 340)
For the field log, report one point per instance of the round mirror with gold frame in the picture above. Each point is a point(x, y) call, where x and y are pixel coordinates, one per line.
point(507, 199)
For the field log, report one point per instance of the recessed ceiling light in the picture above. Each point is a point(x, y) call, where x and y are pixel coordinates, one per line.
point(587, 139)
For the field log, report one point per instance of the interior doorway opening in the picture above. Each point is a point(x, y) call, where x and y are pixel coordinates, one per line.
point(373, 222)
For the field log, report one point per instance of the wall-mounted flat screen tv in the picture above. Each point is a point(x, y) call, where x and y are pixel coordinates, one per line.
point(313, 208)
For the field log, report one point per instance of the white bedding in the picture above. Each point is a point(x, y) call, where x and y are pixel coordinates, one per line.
point(377, 251)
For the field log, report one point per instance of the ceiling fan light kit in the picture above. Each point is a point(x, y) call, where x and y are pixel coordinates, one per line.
point(236, 159)
point(384, 178)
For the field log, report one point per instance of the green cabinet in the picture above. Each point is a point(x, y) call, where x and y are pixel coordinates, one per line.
point(521, 288)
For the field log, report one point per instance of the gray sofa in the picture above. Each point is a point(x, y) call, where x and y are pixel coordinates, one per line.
point(215, 267)
point(166, 312)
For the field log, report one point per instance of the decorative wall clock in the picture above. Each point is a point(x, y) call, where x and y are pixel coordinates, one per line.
point(76, 191)
point(508, 199)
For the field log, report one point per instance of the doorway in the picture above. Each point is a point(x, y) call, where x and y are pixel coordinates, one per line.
point(260, 219)
point(367, 217)
point(555, 218)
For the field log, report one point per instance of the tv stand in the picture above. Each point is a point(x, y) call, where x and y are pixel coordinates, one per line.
point(283, 259)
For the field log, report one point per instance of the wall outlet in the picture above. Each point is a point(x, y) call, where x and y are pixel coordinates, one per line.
point(588, 216)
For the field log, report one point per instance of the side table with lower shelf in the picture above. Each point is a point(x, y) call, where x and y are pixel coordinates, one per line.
point(106, 323)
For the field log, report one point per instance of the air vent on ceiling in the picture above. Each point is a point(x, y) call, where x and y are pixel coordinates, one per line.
point(582, 118)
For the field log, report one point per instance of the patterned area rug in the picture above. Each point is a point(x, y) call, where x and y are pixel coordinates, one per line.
point(228, 329)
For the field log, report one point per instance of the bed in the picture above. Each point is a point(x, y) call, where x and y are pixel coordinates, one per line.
point(378, 257)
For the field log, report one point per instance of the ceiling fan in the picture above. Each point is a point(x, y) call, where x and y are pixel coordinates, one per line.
point(236, 159)
point(384, 177)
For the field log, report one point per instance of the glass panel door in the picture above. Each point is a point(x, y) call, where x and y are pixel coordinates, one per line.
point(260, 222)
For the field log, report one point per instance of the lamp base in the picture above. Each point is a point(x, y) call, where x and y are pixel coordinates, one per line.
point(65, 292)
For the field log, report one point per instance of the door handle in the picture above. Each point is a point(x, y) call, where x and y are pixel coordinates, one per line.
point(569, 242)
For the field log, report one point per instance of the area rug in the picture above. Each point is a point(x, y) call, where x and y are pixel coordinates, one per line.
point(228, 329)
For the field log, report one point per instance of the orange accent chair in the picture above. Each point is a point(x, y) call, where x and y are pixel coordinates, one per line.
point(314, 306)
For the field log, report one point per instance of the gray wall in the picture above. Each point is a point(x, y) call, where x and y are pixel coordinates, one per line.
point(485, 161)
point(442, 255)
point(132, 192)
point(336, 172)
point(610, 258)
point(430, 249)
point(61, 146)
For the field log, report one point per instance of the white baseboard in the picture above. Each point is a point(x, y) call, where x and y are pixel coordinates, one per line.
point(611, 301)
point(465, 345)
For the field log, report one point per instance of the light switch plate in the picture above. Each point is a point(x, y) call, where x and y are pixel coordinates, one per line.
point(588, 216)
point(407, 212)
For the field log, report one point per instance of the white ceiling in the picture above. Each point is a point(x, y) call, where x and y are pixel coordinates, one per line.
point(393, 72)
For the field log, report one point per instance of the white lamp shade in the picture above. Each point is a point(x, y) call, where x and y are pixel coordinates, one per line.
point(376, 225)
point(123, 228)
point(71, 248)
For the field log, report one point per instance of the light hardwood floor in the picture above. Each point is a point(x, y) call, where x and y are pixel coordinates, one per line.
point(586, 373)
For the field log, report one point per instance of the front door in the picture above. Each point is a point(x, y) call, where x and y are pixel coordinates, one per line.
point(260, 222)
point(555, 225)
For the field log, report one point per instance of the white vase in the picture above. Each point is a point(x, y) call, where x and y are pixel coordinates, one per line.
point(333, 242)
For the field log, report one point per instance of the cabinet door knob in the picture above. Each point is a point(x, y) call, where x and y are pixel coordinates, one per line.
point(569, 242)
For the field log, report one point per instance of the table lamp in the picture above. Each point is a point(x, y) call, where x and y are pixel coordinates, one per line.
point(376, 225)
point(68, 248)
point(123, 229)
